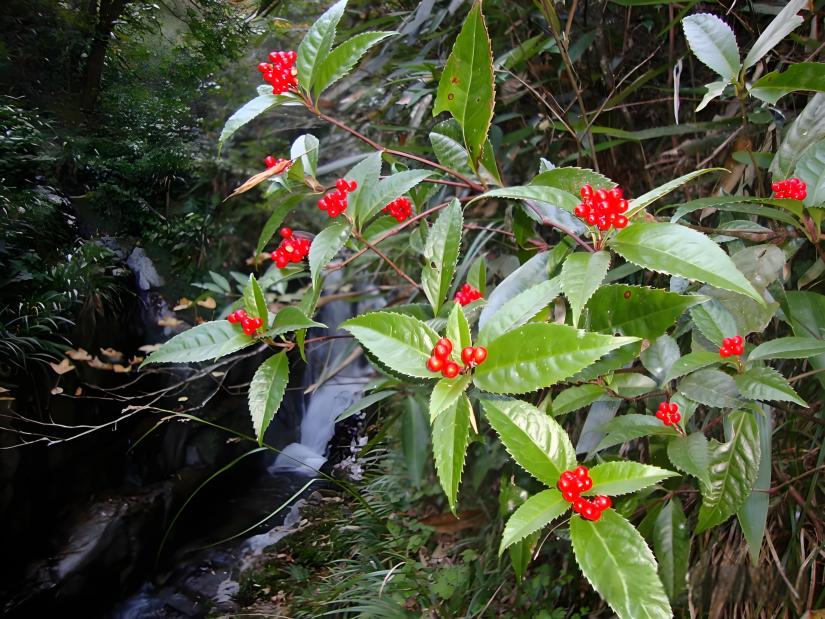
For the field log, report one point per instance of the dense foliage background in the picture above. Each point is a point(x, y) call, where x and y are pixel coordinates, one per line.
point(111, 115)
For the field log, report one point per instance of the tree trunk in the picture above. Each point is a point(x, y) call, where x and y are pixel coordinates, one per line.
point(107, 13)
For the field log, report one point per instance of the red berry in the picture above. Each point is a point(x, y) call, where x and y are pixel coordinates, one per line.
point(285, 232)
point(564, 484)
point(673, 408)
point(467, 355)
point(352, 186)
point(233, 318)
point(591, 512)
point(444, 341)
point(451, 370)
point(579, 505)
point(581, 472)
point(441, 351)
point(479, 355)
point(602, 502)
point(586, 484)
point(725, 351)
point(675, 418)
point(269, 161)
point(569, 495)
point(435, 364)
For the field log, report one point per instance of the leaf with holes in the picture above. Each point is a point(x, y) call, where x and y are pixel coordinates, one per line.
point(534, 439)
point(677, 250)
point(266, 392)
point(540, 355)
point(615, 559)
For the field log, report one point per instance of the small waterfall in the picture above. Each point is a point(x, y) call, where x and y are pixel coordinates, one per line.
point(334, 379)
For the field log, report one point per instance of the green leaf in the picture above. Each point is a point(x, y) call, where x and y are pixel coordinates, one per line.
point(677, 250)
point(532, 272)
point(800, 76)
point(533, 515)
point(710, 387)
point(714, 89)
point(807, 129)
point(660, 356)
point(325, 246)
point(366, 174)
point(691, 454)
point(540, 193)
point(581, 275)
point(441, 254)
point(636, 310)
point(521, 553)
point(402, 343)
point(806, 311)
point(290, 318)
point(477, 274)
point(254, 301)
point(645, 200)
point(574, 398)
point(540, 355)
point(615, 478)
point(631, 426)
point(317, 43)
point(765, 383)
point(458, 331)
point(733, 470)
point(788, 348)
point(534, 439)
point(275, 220)
point(451, 434)
point(571, 179)
point(712, 41)
point(365, 402)
point(631, 384)
point(811, 170)
point(449, 152)
point(714, 321)
point(519, 310)
point(249, 111)
point(266, 392)
point(690, 363)
point(343, 58)
point(202, 343)
point(415, 438)
point(393, 187)
point(615, 559)
point(671, 544)
point(305, 149)
point(466, 88)
point(446, 392)
point(781, 26)
point(753, 514)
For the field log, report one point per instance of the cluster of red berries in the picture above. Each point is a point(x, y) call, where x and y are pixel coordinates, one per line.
point(790, 188)
point(400, 208)
point(668, 413)
point(602, 208)
point(572, 484)
point(440, 359)
point(473, 355)
point(732, 346)
point(249, 325)
point(280, 71)
point(271, 162)
point(335, 202)
point(467, 294)
point(292, 248)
